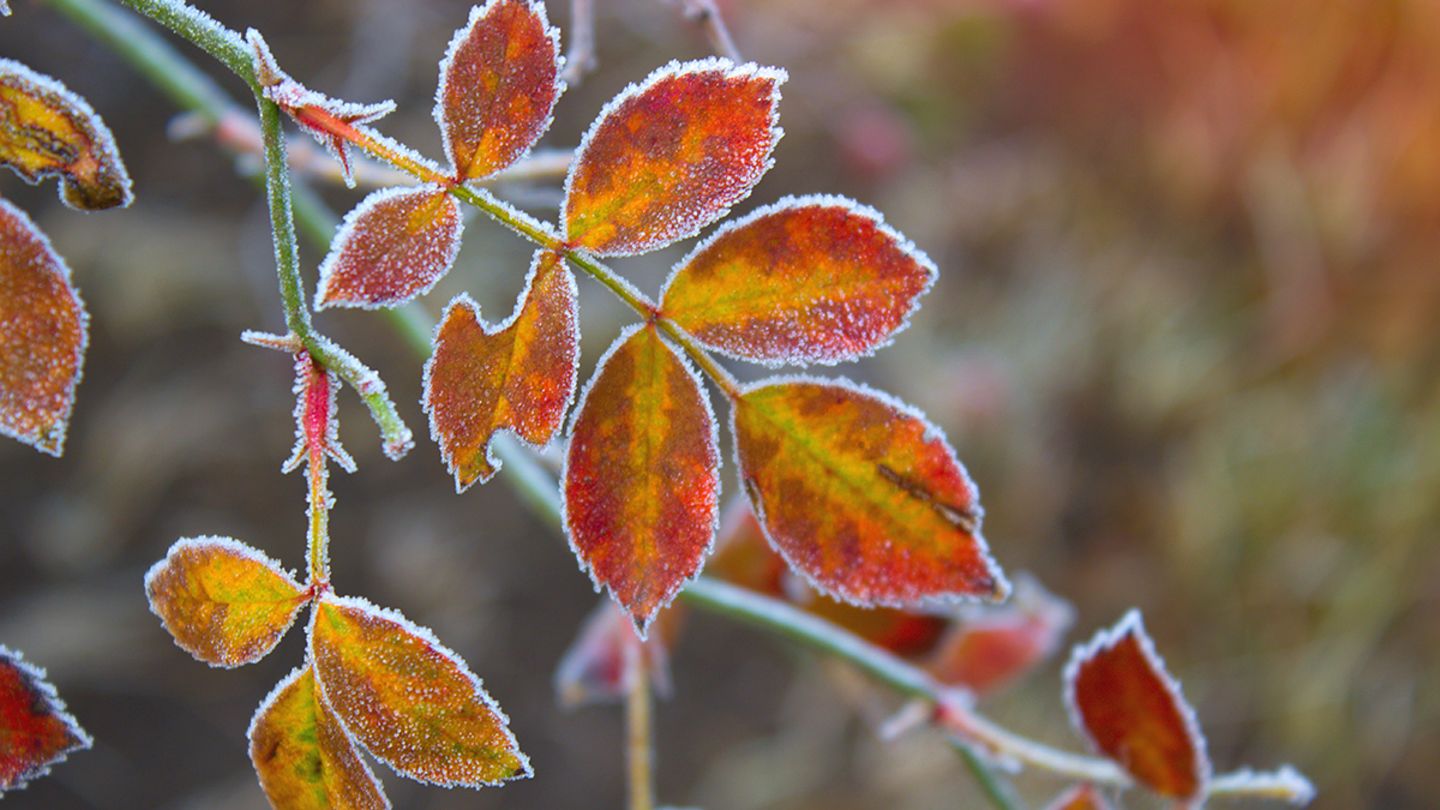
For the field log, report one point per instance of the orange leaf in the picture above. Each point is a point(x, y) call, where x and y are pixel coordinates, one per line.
point(48, 131)
point(642, 478)
point(499, 82)
point(1120, 695)
point(671, 155)
point(411, 702)
point(807, 280)
point(43, 332)
point(35, 730)
point(517, 376)
point(224, 602)
point(599, 665)
point(393, 246)
point(992, 645)
point(1080, 797)
point(861, 495)
point(744, 557)
point(304, 757)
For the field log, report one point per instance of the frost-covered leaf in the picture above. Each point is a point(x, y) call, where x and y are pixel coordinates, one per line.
point(599, 665)
point(671, 155)
point(223, 601)
point(744, 557)
point(393, 246)
point(517, 376)
point(323, 117)
point(1132, 711)
point(35, 729)
point(862, 495)
point(993, 645)
point(498, 85)
point(43, 332)
point(317, 422)
point(1079, 797)
point(304, 757)
point(412, 703)
point(807, 280)
point(48, 131)
point(642, 478)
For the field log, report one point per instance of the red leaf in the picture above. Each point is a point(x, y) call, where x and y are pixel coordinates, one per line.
point(499, 82)
point(993, 645)
point(43, 332)
point(861, 495)
point(48, 131)
point(807, 280)
point(35, 730)
point(517, 376)
point(1120, 695)
point(317, 422)
point(395, 245)
point(1080, 797)
point(671, 155)
point(642, 475)
point(414, 704)
point(599, 665)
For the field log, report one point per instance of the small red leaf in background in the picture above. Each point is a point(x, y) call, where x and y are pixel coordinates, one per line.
point(48, 131)
point(43, 332)
point(744, 557)
point(35, 730)
point(807, 280)
point(993, 645)
point(499, 82)
point(642, 474)
point(316, 113)
point(223, 601)
point(597, 668)
point(304, 757)
point(412, 703)
point(862, 495)
point(671, 155)
point(517, 376)
point(393, 246)
point(1080, 797)
point(1122, 698)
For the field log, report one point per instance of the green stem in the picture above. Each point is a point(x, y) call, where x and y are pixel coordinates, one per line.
point(999, 792)
point(201, 30)
point(640, 742)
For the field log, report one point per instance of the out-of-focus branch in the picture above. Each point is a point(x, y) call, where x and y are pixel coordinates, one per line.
point(580, 59)
point(706, 14)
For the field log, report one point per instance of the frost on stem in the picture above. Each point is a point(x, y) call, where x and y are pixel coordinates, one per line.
point(48, 131)
point(314, 112)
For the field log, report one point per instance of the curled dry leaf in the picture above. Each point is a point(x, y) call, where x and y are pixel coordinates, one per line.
point(499, 82)
point(807, 280)
point(861, 495)
point(991, 646)
point(393, 246)
point(304, 757)
point(1132, 711)
point(641, 485)
point(317, 422)
point(410, 702)
point(48, 131)
point(43, 332)
point(671, 155)
point(744, 557)
point(517, 376)
point(598, 666)
point(35, 729)
point(224, 602)
point(1079, 797)
point(325, 118)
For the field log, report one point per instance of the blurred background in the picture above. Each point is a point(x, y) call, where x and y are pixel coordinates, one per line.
point(1186, 338)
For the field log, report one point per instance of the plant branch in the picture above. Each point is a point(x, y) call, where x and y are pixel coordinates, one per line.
point(580, 59)
point(706, 14)
point(640, 743)
point(540, 490)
